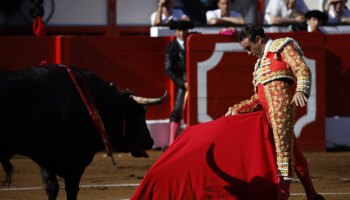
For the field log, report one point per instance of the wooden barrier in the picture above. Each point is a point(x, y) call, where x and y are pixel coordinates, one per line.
point(218, 78)
point(21, 52)
point(135, 63)
point(337, 75)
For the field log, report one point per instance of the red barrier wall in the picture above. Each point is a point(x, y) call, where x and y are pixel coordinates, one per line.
point(136, 63)
point(228, 76)
point(338, 75)
point(21, 52)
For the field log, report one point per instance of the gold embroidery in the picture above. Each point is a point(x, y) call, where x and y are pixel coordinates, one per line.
point(268, 77)
point(299, 68)
point(279, 44)
point(280, 115)
point(296, 67)
point(249, 105)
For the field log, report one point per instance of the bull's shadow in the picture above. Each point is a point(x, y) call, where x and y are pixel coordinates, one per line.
point(257, 188)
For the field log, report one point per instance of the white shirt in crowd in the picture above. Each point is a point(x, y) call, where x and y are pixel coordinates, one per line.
point(217, 14)
point(333, 19)
point(177, 15)
point(279, 8)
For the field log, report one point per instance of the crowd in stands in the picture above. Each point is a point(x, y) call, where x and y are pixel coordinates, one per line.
point(277, 12)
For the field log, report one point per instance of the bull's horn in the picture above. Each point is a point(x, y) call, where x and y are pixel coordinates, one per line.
point(149, 101)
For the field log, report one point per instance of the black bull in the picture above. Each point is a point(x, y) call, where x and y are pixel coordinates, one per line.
point(42, 116)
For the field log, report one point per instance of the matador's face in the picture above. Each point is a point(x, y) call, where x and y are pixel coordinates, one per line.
point(253, 48)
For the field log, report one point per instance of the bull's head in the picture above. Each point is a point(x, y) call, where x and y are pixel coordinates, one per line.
point(137, 134)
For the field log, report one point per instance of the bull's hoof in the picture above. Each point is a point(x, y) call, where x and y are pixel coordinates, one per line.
point(164, 148)
point(319, 197)
point(139, 152)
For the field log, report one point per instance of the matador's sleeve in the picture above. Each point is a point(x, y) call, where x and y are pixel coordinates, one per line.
point(293, 57)
point(246, 106)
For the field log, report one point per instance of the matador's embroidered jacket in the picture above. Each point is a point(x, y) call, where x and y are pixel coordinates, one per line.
point(282, 60)
point(280, 66)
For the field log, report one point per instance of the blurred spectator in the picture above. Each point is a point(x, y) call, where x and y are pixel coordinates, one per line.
point(165, 12)
point(196, 9)
point(314, 19)
point(285, 11)
point(224, 15)
point(248, 9)
point(337, 12)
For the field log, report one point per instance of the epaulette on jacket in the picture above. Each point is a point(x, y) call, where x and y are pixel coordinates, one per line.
point(278, 45)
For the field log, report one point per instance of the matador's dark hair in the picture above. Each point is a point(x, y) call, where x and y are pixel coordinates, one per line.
point(251, 31)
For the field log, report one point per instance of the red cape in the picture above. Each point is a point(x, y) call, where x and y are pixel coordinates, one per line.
point(228, 158)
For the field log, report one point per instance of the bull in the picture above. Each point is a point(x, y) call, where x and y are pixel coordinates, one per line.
point(43, 117)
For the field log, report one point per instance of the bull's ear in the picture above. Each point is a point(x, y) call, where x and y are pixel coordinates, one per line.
point(112, 86)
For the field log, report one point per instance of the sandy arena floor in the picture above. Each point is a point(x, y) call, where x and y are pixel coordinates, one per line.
point(102, 181)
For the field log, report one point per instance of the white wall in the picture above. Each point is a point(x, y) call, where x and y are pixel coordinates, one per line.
point(135, 12)
point(337, 131)
point(314, 4)
point(76, 12)
point(94, 12)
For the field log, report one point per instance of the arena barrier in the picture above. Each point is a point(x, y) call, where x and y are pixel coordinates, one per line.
point(219, 74)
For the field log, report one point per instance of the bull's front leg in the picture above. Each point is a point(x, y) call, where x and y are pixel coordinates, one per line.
point(72, 184)
point(50, 183)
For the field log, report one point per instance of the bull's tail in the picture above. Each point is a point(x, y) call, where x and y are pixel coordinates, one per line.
point(8, 168)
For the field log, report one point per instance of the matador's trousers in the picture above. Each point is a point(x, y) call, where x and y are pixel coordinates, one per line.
point(275, 98)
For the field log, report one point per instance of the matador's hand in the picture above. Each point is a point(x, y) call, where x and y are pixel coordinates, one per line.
point(299, 99)
point(230, 112)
